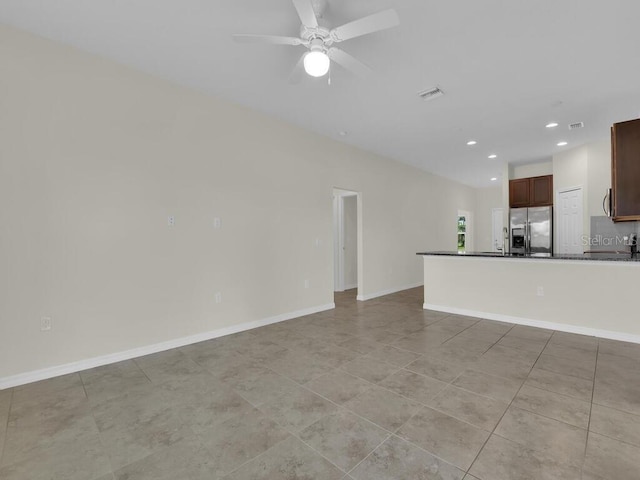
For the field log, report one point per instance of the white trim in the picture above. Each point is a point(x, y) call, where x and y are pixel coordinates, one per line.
point(562, 327)
point(73, 367)
point(389, 291)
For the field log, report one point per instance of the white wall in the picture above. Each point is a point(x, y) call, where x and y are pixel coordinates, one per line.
point(486, 200)
point(95, 156)
point(350, 242)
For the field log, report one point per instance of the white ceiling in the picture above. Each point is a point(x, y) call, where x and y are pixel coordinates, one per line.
point(508, 67)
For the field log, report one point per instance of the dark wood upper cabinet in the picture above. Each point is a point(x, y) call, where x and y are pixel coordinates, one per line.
point(519, 193)
point(531, 192)
point(541, 191)
point(625, 171)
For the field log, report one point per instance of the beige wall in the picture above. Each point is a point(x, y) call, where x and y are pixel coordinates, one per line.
point(532, 170)
point(94, 157)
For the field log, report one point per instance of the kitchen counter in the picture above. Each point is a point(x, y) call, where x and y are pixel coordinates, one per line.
point(600, 257)
point(592, 294)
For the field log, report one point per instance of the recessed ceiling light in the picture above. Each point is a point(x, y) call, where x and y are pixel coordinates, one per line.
point(471, 142)
point(494, 179)
point(493, 155)
point(342, 133)
point(552, 125)
point(562, 144)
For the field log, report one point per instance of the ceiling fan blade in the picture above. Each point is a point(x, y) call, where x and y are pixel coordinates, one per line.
point(306, 13)
point(271, 39)
point(348, 62)
point(298, 71)
point(364, 26)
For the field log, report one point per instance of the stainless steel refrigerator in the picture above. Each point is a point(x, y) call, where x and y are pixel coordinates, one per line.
point(531, 231)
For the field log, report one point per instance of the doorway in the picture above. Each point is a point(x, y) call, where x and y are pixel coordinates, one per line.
point(498, 234)
point(465, 231)
point(346, 241)
point(570, 221)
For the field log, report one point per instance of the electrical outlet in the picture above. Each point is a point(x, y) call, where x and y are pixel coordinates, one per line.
point(218, 297)
point(318, 242)
point(45, 324)
point(217, 223)
point(540, 291)
point(171, 221)
point(306, 283)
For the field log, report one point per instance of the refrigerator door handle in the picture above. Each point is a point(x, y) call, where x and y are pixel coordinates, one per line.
point(527, 234)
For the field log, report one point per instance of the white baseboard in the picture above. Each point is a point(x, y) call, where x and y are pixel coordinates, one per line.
point(351, 287)
point(562, 327)
point(369, 296)
point(73, 367)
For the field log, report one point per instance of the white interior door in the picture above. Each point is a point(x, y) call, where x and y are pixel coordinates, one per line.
point(569, 208)
point(497, 222)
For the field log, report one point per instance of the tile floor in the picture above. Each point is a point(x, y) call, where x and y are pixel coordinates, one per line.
point(374, 390)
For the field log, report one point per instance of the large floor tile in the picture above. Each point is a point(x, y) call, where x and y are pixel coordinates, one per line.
point(499, 388)
point(414, 386)
point(343, 438)
point(373, 371)
point(483, 412)
point(523, 343)
point(568, 366)
point(437, 368)
point(112, 380)
point(384, 408)
point(338, 386)
point(83, 459)
point(397, 459)
point(238, 440)
point(565, 384)
point(554, 405)
point(611, 459)
point(624, 349)
point(501, 459)
point(46, 387)
point(290, 459)
point(615, 424)
point(556, 439)
point(451, 439)
point(298, 409)
point(298, 367)
point(187, 459)
point(138, 423)
point(394, 356)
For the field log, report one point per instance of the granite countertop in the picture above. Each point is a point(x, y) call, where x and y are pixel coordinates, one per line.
point(603, 257)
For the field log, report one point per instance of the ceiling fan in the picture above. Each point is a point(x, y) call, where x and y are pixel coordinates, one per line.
point(320, 39)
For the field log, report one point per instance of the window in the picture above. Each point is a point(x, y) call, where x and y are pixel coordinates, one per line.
point(462, 233)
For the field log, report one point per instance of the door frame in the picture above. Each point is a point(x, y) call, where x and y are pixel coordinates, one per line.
point(339, 195)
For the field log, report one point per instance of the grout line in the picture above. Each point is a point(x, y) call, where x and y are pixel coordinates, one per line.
point(505, 412)
point(593, 390)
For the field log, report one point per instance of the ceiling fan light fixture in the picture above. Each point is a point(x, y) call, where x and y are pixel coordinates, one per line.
point(316, 63)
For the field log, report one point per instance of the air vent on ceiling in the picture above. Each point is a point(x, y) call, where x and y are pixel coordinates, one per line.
point(573, 126)
point(431, 93)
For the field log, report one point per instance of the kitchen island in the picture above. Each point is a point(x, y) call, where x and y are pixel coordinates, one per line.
point(591, 294)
